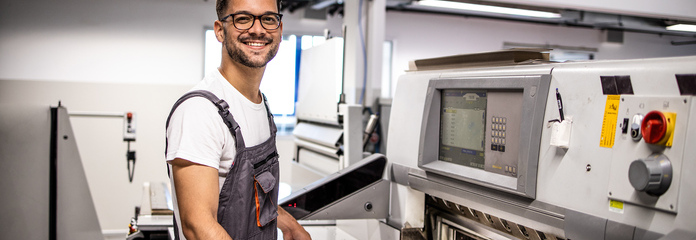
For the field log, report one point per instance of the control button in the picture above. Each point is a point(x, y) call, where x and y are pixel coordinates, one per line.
point(652, 175)
point(635, 127)
point(657, 128)
point(624, 126)
point(654, 127)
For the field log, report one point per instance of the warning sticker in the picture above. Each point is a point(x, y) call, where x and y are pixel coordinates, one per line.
point(611, 112)
point(616, 206)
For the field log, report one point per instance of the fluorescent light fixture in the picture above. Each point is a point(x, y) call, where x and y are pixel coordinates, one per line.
point(323, 4)
point(682, 27)
point(488, 9)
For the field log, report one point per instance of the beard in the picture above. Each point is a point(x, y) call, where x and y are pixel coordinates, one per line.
point(237, 55)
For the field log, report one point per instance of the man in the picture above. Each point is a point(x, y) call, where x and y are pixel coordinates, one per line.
point(226, 178)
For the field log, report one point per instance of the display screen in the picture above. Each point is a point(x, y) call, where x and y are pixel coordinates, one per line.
point(485, 130)
point(463, 127)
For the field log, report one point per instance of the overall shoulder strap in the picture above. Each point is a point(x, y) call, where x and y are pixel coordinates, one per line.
point(223, 110)
point(271, 122)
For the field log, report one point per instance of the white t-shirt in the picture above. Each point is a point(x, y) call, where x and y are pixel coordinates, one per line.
point(197, 133)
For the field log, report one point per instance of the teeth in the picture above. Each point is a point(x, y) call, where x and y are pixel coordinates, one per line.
point(255, 44)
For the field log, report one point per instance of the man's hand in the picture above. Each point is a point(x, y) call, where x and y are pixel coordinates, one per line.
point(292, 230)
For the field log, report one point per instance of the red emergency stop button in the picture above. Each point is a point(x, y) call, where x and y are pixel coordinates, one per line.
point(654, 127)
point(657, 128)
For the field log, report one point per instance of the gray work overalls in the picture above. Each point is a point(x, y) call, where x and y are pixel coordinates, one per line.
point(247, 207)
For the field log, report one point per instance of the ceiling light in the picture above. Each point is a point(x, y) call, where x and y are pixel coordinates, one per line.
point(487, 8)
point(682, 27)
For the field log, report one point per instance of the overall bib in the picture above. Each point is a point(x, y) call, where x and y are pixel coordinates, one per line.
point(247, 208)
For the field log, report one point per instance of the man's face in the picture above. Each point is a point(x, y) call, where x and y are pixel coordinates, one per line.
point(256, 46)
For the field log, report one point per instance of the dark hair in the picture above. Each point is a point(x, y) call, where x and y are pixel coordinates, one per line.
point(221, 6)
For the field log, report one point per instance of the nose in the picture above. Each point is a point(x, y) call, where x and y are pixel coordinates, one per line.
point(256, 28)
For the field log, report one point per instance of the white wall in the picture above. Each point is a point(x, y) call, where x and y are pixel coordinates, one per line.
point(134, 41)
point(140, 55)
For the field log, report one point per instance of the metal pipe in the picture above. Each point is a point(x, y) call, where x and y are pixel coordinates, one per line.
point(96, 114)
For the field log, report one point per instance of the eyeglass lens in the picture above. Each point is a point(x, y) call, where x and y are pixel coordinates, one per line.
point(246, 21)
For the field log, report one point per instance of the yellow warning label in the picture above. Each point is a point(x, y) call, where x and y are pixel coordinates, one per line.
point(616, 206)
point(611, 112)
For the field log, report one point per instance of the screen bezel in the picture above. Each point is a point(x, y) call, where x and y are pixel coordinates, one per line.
point(535, 90)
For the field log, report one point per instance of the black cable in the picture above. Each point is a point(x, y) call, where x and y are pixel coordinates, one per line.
point(130, 156)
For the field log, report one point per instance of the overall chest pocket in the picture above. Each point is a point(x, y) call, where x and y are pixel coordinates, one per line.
point(265, 193)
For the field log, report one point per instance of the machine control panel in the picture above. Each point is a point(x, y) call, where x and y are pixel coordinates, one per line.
point(645, 172)
point(480, 129)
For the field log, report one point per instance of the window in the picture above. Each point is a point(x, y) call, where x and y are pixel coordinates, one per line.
point(279, 82)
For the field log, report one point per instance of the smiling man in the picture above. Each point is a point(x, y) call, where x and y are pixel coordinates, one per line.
point(221, 136)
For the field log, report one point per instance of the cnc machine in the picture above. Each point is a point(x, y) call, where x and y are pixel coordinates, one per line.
point(575, 150)
point(581, 150)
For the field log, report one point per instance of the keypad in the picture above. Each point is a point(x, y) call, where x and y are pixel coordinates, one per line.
point(498, 132)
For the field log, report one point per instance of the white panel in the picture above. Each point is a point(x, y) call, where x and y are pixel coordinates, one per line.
point(320, 82)
point(24, 156)
point(76, 217)
point(326, 136)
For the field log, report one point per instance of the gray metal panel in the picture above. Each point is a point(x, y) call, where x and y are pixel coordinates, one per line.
point(398, 173)
point(626, 151)
point(642, 234)
point(24, 157)
point(680, 234)
point(583, 226)
point(619, 231)
point(686, 219)
point(353, 206)
point(76, 215)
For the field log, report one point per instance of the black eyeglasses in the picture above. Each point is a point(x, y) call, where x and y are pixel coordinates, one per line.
point(244, 21)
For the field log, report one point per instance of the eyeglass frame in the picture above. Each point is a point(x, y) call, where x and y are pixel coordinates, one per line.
point(280, 18)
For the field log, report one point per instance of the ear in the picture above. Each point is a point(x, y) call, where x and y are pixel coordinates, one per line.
point(219, 31)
